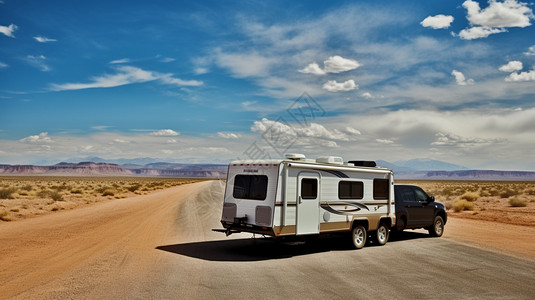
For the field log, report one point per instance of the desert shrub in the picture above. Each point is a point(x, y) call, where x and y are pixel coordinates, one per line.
point(134, 187)
point(7, 193)
point(77, 191)
point(508, 193)
point(3, 215)
point(43, 194)
point(469, 196)
point(518, 202)
point(56, 196)
point(461, 205)
point(108, 192)
point(104, 188)
point(27, 187)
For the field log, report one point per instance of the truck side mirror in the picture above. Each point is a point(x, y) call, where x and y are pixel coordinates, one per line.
point(431, 199)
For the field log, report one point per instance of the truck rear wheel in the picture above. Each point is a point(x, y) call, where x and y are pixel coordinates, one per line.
point(437, 229)
point(381, 235)
point(358, 236)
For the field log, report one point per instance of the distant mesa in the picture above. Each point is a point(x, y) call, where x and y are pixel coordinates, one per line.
point(417, 169)
point(108, 169)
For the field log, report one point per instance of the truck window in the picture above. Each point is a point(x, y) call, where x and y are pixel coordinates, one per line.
point(350, 190)
point(381, 189)
point(309, 188)
point(252, 187)
point(421, 195)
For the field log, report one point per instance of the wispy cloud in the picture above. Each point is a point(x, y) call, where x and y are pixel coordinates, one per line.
point(495, 18)
point(120, 61)
point(449, 139)
point(531, 51)
point(437, 22)
point(8, 30)
point(40, 138)
point(3, 65)
point(37, 62)
point(42, 39)
point(165, 132)
point(229, 135)
point(126, 75)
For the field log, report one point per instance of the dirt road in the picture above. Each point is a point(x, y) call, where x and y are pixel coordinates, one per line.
point(161, 246)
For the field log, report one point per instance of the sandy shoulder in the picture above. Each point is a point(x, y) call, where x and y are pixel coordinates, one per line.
point(509, 239)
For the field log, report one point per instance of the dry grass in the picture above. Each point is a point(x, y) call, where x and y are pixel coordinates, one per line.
point(26, 196)
point(510, 202)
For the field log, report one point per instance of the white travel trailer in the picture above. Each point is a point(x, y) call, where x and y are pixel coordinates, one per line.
point(298, 196)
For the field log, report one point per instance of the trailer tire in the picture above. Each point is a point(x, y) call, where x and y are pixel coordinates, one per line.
point(437, 229)
point(381, 234)
point(358, 236)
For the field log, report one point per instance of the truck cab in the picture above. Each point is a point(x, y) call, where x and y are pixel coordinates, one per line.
point(416, 209)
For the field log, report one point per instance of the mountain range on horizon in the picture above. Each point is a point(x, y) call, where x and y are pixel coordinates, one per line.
point(94, 166)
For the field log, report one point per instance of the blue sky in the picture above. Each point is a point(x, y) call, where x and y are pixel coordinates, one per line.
point(212, 81)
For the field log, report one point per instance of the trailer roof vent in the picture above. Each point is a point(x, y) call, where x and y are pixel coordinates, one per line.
point(363, 163)
point(295, 156)
point(330, 160)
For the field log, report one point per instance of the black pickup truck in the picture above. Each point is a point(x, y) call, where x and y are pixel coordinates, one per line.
point(415, 209)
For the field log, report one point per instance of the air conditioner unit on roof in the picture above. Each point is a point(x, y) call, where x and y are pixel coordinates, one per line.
point(330, 160)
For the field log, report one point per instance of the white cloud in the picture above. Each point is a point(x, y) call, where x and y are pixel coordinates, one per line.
point(8, 30)
point(334, 64)
point(478, 32)
point(126, 75)
point(304, 136)
point(449, 139)
point(367, 95)
point(312, 68)
point(460, 79)
point(437, 22)
point(531, 51)
point(201, 70)
point(509, 13)
point(3, 65)
point(512, 66)
point(120, 61)
point(42, 39)
point(37, 62)
point(522, 76)
point(495, 18)
point(338, 64)
point(167, 59)
point(384, 141)
point(100, 127)
point(40, 138)
point(352, 131)
point(334, 86)
point(244, 64)
point(229, 135)
point(165, 132)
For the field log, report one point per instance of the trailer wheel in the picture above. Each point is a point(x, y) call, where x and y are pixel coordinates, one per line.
point(358, 236)
point(381, 235)
point(437, 229)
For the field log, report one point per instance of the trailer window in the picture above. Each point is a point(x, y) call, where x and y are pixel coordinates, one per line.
point(309, 188)
point(252, 187)
point(381, 189)
point(350, 190)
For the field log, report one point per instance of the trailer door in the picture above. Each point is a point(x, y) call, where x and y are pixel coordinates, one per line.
point(308, 199)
